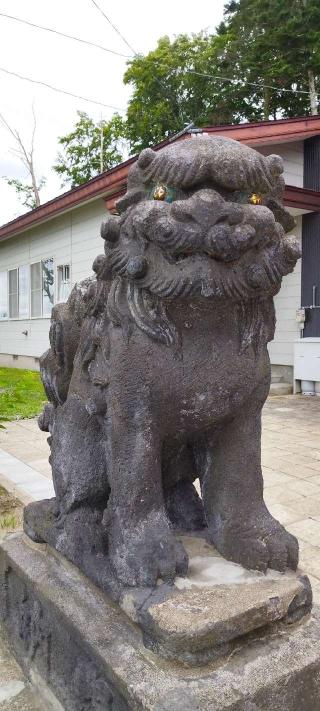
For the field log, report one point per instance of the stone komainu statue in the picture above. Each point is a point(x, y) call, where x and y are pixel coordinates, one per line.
point(158, 371)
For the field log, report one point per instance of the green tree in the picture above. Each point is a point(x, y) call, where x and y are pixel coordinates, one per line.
point(180, 82)
point(262, 62)
point(25, 192)
point(89, 149)
point(276, 43)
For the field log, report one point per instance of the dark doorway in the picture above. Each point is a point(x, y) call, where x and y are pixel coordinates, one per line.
point(310, 278)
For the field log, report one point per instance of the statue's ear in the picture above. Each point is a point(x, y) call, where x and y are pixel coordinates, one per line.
point(145, 158)
point(275, 164)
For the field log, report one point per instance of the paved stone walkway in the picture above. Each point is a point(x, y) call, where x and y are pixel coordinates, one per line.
point(15, 692)
point(290, 457)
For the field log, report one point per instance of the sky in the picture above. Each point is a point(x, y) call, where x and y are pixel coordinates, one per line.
point(74, 67)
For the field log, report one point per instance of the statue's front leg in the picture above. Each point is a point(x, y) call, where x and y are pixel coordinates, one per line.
point(239, 522)
point(142, 547)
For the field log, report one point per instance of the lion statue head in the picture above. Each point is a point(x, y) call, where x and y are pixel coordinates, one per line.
point(201, 218)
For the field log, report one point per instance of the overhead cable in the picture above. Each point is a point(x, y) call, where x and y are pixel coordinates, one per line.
point(61, 91)
point(247, 83)
point(63, 34)
point(113, 26)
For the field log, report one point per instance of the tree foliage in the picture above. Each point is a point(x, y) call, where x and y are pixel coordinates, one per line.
point(28, 193)
point(89, 149)
point(180, 82)
point(275, 43)
point(25, 192)
point(261, 44)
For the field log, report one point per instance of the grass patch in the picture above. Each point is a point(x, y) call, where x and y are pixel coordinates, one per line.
point(21, 394)
point(9, 521)
point(10, 512)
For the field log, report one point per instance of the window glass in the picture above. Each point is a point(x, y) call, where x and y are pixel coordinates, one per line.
point(13, 294)
point(47, 286)
point(36, 289)
point(24, 291)
point(3, 295)
point(64, 285)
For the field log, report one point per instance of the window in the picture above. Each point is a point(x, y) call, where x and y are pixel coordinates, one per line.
point(42, 288)
point(47, 286)
point(36, 291)
point(3, 295)
point(13, 293)
point(23, 287)
point(64, 285)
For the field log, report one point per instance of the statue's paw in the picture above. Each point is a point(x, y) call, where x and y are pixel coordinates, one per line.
point(259, 544)
point(146, 553)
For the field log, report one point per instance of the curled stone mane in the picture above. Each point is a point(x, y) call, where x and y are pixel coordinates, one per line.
point(201, 219)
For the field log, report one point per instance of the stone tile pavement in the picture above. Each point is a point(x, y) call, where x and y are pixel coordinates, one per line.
point(16, 693)
point(291, 470)
point(290, 458)
point(24, 466)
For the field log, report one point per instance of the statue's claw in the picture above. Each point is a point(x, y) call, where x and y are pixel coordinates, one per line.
point(258, 544)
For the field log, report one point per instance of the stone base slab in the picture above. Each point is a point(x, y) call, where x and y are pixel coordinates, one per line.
point(91, 656)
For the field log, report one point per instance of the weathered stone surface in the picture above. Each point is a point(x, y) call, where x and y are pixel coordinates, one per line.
point(158, 371)
point(67, 631)
point(202, 622)
point(203, 616)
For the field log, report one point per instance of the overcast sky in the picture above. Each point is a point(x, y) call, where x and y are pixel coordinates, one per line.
point(74, 67)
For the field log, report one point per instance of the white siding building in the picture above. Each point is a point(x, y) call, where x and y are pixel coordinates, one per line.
point(46, 251)
point(67, 244)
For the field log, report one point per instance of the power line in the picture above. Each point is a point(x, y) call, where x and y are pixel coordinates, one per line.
point(61, 91)
point(126, 56)
point(248, 83)
point(63, 34)
point(113, 26)
point(136, 55)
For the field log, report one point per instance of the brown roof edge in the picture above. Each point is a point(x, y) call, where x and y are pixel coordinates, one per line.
point(266, 132)
point(100, 185)
point(109, 183)
point(302, 198)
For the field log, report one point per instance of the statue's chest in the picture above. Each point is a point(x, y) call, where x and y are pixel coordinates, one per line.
point(217, 383)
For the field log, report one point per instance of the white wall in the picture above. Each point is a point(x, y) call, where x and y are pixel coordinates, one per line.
point(292, 154)
point(286, 303)
point(73, 238)
point(289, 298)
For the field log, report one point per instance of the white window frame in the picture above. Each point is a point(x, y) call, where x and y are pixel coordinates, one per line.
point(59, 266)
point(13, 269)
point(55, 288)
point(30, 297)
point(39, 261)
point(25, 317)
point(5, 271)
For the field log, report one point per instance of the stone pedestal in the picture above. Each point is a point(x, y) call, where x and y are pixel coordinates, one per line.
point(246, 645)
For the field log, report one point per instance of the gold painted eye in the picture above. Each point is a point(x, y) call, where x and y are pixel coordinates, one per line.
point(160, 192)
point(255, 199)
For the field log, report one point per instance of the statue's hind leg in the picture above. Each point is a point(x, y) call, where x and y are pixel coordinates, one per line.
point(239, 523)
point(72, 522)
point(183, 503)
